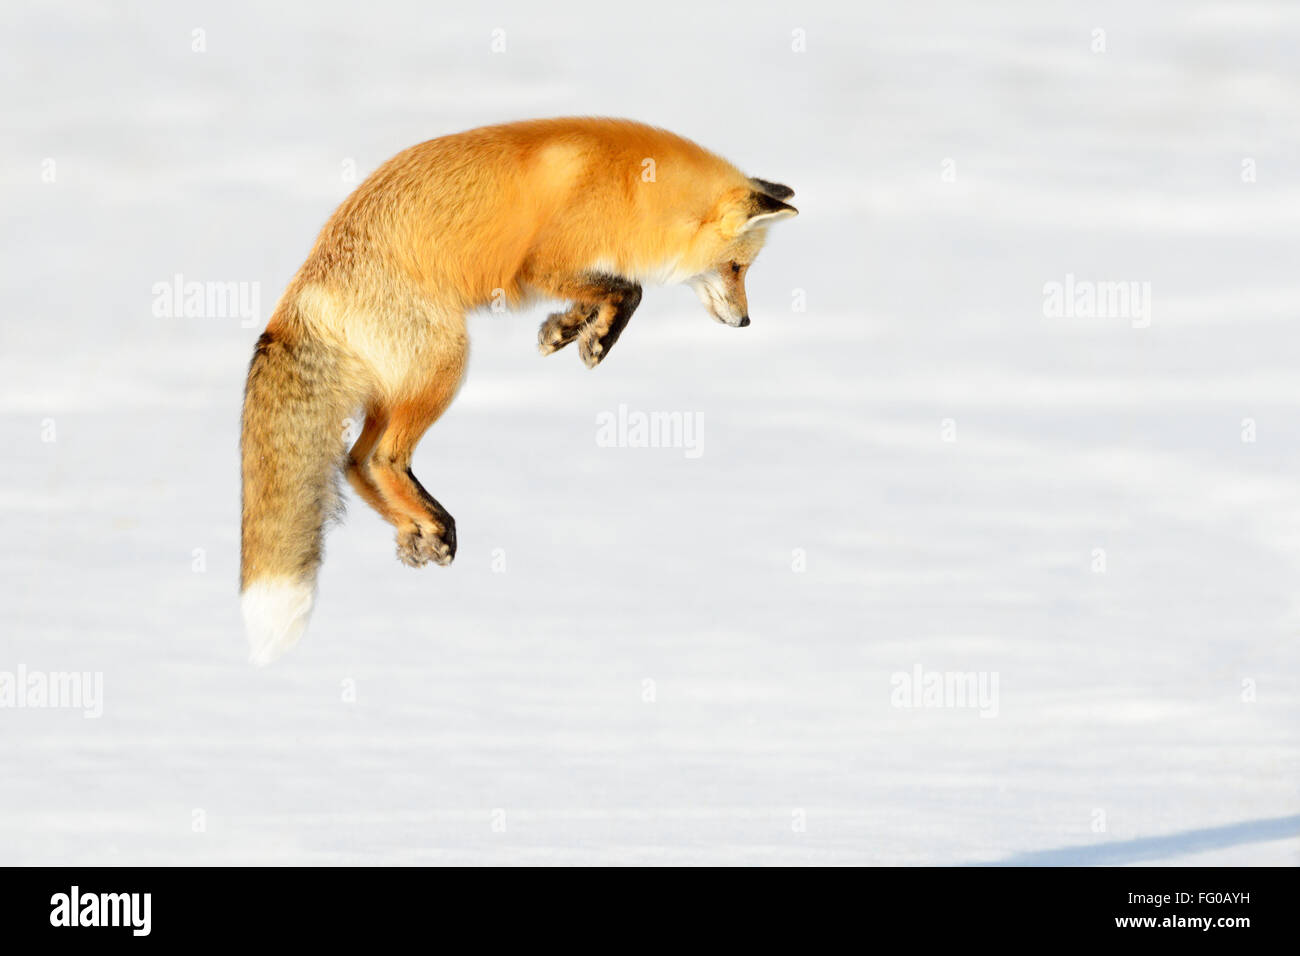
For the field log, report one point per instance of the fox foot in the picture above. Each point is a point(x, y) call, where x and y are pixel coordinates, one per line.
point(561, 328)
point(598, 336)
point(422, 544)
point(592, 345)
point(595, 324)
point(431, 538)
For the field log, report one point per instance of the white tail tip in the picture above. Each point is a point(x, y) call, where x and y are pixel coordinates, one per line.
point(275, 615)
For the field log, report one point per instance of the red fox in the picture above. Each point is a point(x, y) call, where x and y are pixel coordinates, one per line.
point(580, 210)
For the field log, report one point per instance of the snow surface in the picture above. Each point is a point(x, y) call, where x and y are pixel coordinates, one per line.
point(497, 711)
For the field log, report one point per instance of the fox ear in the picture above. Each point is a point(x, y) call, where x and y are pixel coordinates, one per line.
point(749, 209)
point(775, 190)
point(765, 208)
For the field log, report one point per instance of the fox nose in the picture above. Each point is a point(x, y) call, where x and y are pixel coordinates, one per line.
point(744, 321)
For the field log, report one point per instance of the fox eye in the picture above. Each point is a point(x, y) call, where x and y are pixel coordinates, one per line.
point(735, 268)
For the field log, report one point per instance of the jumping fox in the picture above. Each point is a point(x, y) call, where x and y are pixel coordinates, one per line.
point(577, 210)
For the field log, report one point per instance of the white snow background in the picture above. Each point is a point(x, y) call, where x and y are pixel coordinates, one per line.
point(950, 159)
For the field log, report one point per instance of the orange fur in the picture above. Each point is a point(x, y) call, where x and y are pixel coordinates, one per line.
point(582, 209)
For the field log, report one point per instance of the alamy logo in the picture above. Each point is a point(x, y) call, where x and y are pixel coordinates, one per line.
point(64, 690)
point(1084, 299)
point(102, 909)
point(977, 690)
point(179, 299)
point(635, 429)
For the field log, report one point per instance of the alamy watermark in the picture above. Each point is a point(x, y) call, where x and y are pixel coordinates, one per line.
point(129, 910)
point(61, 690)
point(179, 298)
point(629, 428)
point(919, 688)
point(1085, 299)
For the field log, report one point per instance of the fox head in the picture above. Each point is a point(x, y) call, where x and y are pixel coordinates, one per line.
point(728, 243)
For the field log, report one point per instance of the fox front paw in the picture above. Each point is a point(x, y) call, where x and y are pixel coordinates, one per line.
point(591, 347)
point(561, 328)
point(422, 544)
point(600, 333)
point(597, 338)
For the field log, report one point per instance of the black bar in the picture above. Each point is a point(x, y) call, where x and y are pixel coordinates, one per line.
point(929, 906)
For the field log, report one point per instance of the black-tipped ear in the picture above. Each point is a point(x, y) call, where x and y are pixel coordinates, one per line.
point(775, 190)
point(764, 208)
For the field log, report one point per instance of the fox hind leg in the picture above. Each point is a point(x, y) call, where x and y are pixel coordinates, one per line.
point(426, 532)
point(423, 542)
point(358, 464)
point(412, 539)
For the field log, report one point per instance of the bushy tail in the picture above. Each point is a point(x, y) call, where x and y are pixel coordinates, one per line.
point(292, 446)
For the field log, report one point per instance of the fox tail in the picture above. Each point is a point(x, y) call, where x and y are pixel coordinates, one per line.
point(292, 449)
